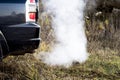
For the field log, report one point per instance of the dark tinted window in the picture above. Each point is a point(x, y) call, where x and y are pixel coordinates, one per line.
point(13, 1)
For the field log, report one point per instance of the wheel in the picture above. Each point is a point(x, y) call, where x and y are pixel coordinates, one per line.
point(3, 46)
point(1, 53)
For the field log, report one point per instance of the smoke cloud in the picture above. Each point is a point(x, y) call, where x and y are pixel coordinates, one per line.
point(68, 24)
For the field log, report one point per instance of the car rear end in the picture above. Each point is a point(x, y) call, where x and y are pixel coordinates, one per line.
point(18, 23)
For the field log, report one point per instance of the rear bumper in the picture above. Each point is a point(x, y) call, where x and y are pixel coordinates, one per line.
point(22, 37)
point(24, 45)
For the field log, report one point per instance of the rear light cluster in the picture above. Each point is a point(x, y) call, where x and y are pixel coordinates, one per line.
point(30, 11)
point(32, 16)
point(32, 1)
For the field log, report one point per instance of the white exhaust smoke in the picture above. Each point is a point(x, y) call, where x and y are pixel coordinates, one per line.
point(68, 24)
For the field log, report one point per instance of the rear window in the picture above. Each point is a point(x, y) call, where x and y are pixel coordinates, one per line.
point(13, 1)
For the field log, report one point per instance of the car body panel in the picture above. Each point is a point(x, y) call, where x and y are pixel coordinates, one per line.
point(12, 13)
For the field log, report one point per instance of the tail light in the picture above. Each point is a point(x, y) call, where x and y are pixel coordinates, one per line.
point(32, 16)
point(32, 1)
point(30, 11)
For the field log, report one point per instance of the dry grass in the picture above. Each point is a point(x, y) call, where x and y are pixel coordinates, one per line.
point(103, 64)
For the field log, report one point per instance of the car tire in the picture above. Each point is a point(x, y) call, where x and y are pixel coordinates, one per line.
point(1, 53)
point(3, 46)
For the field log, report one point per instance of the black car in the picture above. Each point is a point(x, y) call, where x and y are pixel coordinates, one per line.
point(19, 30)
